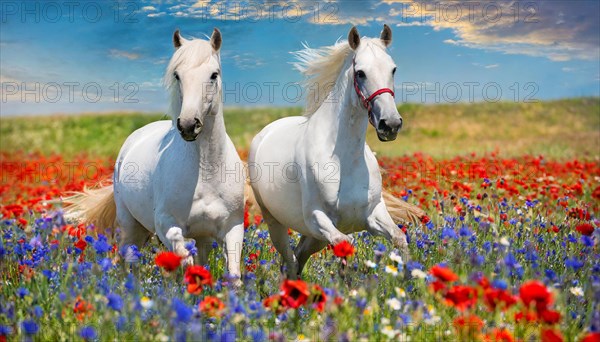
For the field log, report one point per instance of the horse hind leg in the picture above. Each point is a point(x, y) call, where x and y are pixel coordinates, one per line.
point(132, 232)
point(306, 247)
point(280, 239)
point(204, 246)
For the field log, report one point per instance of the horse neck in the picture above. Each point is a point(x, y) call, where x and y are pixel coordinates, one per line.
point(212, 139)
point(345, 122)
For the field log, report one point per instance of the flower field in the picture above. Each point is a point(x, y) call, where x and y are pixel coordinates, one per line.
point(509, 251)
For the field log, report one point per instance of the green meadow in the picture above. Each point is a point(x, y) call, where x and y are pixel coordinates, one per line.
point(555, 129)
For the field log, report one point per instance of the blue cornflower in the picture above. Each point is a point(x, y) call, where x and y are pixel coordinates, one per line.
point(191, 247)
point(449, 233)
point(263, 234)
point(184, 312)
point(511, 261)
point(464, 231)
point(37, 311)
point(88, 333)
point(412, 265)
point(89, 239)
point(587, 241)
point(30, 327)
point(574, 263)
point(121, 323)
point(258, 335)
point(550, 274)
point(22, 292)
point(131, 253)
point(130, 282)
point(5, 330)
point(106, 264)
point(114, 301)
point(499, 284)
point(102, 245)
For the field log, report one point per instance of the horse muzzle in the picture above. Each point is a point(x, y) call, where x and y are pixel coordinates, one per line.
point(387, 129)
point(189, 129)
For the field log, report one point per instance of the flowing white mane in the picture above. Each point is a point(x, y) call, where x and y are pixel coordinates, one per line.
point(191, 54)
point(322, 67)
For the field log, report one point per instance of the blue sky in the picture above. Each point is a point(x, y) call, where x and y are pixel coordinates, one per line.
point(55, 57)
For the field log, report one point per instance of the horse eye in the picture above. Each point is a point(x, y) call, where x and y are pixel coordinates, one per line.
point(394, 72)
point(361, 74)
point(214, 76)
point(176, 75)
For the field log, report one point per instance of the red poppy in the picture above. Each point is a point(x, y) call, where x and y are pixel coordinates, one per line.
point(483, 282)
point(529, 316)
point(534, 292)
point(550, 335)
point(197, 276)
point(82, 309)
point(461, 297)
point(318, 297)
point(295, 293)
point(591, 337)
point(437, 286)
point(495, 298)
point(468, 325)
point(443, 273)
point(80, 244)
point(168, 260)
point(585, 229)
point(211, 306)
point(274, 302)
point(499, 335)
point(550, 316)
point(343, 249)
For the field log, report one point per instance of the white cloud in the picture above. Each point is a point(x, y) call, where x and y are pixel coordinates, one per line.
point(114, 53)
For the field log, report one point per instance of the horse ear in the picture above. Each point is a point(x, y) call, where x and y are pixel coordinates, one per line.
point(177, 40)
point(386, 35)
point(216, 40)
point(353, 38)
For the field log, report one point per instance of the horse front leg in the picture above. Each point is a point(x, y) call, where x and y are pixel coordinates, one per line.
point(380, 223)
point(323, 228)
point(171, 235)
point(232, 247)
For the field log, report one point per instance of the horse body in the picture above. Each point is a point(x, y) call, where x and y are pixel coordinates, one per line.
point(325, 180)
point(181, 178)
point(160, 180)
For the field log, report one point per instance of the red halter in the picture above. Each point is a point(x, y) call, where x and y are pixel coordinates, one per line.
point(366, 101)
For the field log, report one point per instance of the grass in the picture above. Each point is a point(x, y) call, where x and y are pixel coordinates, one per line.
point(556, 129)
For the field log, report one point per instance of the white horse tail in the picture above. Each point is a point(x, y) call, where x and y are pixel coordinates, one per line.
point(93, 206)
point(402, 211)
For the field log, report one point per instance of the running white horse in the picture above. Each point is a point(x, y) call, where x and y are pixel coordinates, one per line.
point(181, 178)
point(315, 173)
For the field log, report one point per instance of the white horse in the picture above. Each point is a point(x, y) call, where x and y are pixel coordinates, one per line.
point(315, 173)
point(181, 178)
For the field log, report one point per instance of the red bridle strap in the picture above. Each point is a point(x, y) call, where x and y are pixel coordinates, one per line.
point(366, 101)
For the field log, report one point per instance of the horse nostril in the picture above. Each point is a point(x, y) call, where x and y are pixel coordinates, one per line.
point(179, 125)
point(198, 124)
